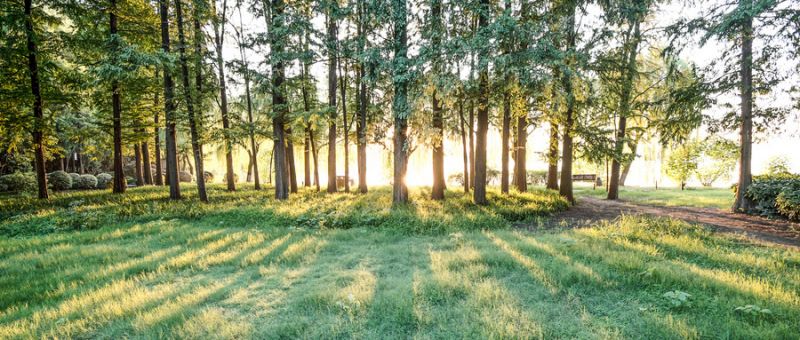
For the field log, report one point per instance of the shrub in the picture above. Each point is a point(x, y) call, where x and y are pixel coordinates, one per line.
point(235, 178)
point(185, 176)
point(456, 178)
point(75, 177)
point(537, 177)
point(131, 180)
point(86, 182)
point(788, 204)
point(59, 180)
point(765, 190)
point(18, 182)
point(104, 181)
point(208, 177)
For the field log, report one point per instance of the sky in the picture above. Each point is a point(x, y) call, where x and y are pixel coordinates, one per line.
point(643, 173)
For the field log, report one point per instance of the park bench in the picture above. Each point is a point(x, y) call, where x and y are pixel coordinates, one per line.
point(586, 178)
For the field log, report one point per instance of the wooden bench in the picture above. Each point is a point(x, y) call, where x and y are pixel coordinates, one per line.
point(586, 178)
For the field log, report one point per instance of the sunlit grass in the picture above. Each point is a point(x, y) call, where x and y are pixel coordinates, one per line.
point(258, 269)
point(719, 198)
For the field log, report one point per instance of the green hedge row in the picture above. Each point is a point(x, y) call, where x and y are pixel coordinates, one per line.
point(776, 195)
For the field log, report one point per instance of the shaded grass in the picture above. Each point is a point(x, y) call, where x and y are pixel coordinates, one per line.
point(232, 275)
point(691, 197)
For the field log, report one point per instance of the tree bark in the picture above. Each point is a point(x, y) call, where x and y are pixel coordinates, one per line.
point(332, 81)
point(566, 153)
point(479, 194)
point(290, 159)
point(279, 104)
point(437, 154)
point(159, 177)
point(400, 108)
point(520, 158)
point(147, 173)
point(194, 134)
point(219, 36)
point(116, 105)
point(307, 159)
point(742, 203)
point(38, 112)
point(361, 123)
point(552, 158)
point(345, 128)
point(624, 111)
point(472, 143)
point(464, 145)
point(505, 136)
point(169, 110)
point(315, 156)
point(139, 167)
point(627, 167)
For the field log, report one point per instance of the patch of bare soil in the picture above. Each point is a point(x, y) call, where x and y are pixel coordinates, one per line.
point(590, 211)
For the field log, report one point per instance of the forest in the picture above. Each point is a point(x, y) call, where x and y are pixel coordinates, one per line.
point(234, 168)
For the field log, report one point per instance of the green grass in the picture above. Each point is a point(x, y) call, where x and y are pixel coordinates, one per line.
point(250, 267)
point(691, 197)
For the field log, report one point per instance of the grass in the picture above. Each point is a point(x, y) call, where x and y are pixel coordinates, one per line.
point(248, 267)
point(691, 197)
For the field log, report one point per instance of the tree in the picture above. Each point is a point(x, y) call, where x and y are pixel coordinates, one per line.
point(219, 37)
point(279, 104)
point(682, 162)
point(38, 114)
point(400, 109)
point(332, 42)
point(116, 102)
point(479, 194)
point(718, 159)
point(778, 165)
point(436, 30)
point(565, 188)
point(169, 108)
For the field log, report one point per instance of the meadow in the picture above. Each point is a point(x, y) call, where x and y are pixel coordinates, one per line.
point(96, 265)
point(719, 198)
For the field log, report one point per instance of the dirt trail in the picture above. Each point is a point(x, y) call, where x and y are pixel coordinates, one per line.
point(592, 210)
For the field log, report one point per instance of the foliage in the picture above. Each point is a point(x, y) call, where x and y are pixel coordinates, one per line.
point(683, 161)
point(105, 180)
point(59, 180)
point(18, 182)
point(537, 177)
point(677, 298)
point(75, 177)
point(765, 190)
point(235, 178)
point(208, 177)
point(86, 181)
point(719, 157)
point(778, 165)
point(788, 203)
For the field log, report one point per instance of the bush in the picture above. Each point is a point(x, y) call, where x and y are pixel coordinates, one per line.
point(235, 178)
point(788, 204)
point(185, 176)
point(130, 180)
point(75, 178)
point(765, 190)
point(209, 177)
point(537, 177)
point(456, 178)
point(104, 181)
point(86, 182)
point(59, 180)
point(18, 182)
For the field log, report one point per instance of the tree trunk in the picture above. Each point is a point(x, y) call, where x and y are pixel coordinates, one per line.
point(169, 110)
point(315, 156)
point(627, 168)
point(400, 108)
point(219, 36)
point(520, 160)
point(194, 134)
point(479, 194)
point(437, 154)
point(345, 128)
point(463, 145)
point(505, 136)
point(139, 167)
point(472, 143)
point(38, 112)
point(624, 111)
point(249, 167)
point(742, 203)
point(116, 105)
point(159, 176)
point(332, 81)
point(552, 158)
point(566, 153)
point(290, 160)
point(361, 123)
point(307, 159)
point(279, 104)
point(148, 174)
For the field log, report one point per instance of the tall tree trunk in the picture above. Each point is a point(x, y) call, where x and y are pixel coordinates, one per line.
point(345, 128)
point(332, 81)
point(464, 144)
point(520, 152)
point(249, 167)
point(219, 36)
point(194, 134)
point(315, 156)
point(290, 160)
point(400, 108)
point(742, 203)
point(307, 159)
point(472, 143)
point(159, 176)
point(169, 110)
point(148, 174)
point(627, 167)
point(552, 158)
point(479, 194)
point(361, 123)
point(279, 104)
point(139, 167)
point(251, 127)
point(567, 153)
point(116, 105)
point(505, 136)
point(624, 111)
point(437, 154)
point(38, 112)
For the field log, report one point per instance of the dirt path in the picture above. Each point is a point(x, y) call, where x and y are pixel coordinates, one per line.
point(589, 211)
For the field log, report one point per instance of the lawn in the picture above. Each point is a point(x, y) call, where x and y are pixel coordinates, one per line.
point(347, 266)
point(691, 197)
